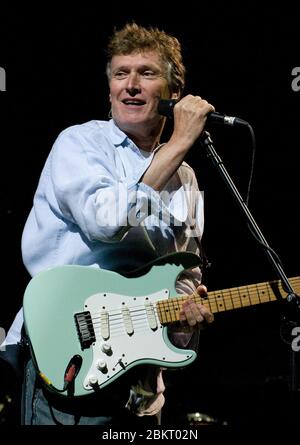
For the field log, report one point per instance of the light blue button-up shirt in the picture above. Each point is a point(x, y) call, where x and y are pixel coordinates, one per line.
point(90, 207)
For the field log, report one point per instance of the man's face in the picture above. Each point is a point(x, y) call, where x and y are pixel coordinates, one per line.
point(138, 81)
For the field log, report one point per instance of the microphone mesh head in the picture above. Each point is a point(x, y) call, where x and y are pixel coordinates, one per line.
point(165, 107)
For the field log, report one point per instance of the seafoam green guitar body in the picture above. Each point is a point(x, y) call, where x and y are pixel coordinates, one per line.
point(110, 321)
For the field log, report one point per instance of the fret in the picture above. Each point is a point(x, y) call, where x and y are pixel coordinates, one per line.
point(220, 302)
point(174, 309)
point(210, 303)
point(231, 302)
point(245, 296)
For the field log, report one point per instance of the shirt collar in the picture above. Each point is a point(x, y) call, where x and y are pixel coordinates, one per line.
point(117, 136)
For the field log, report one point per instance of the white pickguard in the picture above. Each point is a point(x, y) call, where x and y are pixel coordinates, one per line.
point(126, 342)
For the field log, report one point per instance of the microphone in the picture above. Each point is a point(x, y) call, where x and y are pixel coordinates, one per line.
point(165, 108)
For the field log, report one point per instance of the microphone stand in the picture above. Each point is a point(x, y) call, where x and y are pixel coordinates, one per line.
point(293, 299)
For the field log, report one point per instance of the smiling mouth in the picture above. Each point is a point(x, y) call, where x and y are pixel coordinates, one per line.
point(133, 102)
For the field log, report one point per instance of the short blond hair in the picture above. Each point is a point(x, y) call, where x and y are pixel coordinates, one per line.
point(133, 38)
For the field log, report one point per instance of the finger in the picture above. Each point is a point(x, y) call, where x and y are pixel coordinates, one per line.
point(207, 315)
point(182, 317)
point(192, 313)
point(202, 290)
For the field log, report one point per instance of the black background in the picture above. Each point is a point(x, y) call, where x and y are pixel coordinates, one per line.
point(240, 59)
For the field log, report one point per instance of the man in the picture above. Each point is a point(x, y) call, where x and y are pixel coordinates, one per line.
point(111, 196)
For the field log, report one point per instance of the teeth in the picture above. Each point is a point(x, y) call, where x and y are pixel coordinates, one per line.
point(132, 102)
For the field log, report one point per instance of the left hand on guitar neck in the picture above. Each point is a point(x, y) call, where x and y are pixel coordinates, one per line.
point(193, 313)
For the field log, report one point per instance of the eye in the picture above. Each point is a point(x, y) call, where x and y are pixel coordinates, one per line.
point(149, 73)
point(120, 74)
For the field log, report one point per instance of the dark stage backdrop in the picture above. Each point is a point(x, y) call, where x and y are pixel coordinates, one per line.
point(241, 60)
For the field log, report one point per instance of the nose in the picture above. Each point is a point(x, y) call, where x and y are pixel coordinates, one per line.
point(133, 84)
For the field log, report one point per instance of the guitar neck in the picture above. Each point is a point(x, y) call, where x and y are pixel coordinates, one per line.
point(227, 299)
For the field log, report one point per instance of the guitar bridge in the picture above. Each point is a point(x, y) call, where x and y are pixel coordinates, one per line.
point(85, 329)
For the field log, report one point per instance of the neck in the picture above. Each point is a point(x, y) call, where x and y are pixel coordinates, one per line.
point(145, 144)
point(145, 141)
point(146, 138)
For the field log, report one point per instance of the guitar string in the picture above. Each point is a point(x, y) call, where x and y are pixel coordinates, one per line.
point(173, 306)
point(234, 301)
point(139, 323)
point(214, 297)
point(141, 320)
point(118, 321)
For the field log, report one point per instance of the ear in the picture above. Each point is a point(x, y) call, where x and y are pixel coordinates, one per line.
point(175, 96)
point(109, 97)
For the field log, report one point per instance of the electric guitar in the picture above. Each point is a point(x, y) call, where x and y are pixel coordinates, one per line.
point(86, 326)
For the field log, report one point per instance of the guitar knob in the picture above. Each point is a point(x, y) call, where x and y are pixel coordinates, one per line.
point(101, 365)
point(106, 348)
point(93, 381)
